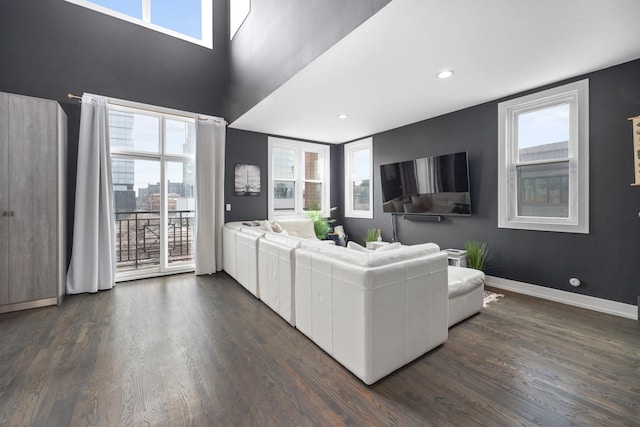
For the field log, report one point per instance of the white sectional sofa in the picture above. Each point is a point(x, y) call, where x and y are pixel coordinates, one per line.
point(372, 311)
point(240, 254)
point(251, 251)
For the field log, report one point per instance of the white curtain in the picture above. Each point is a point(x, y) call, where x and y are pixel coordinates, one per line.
point(210, 142)
point(92, 265)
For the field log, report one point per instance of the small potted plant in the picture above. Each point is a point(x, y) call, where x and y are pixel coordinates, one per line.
point(477, 254)
point(371, 235)
point(321, 224)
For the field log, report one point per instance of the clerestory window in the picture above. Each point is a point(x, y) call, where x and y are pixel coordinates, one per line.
point(190, 20)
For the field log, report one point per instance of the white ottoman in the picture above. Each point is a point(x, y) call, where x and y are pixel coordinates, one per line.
point(466, 291)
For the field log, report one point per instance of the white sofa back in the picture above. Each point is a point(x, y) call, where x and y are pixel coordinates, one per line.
point(373, 319)
point(302, 227)
point(247, 258)
point(229, 255)
point(276, 270)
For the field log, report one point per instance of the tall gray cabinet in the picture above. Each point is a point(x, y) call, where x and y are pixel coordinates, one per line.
point(33, 152)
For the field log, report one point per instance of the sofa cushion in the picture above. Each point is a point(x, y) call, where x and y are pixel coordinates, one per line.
point(389, 247)
point(463, 280)
point(358, 247)
point(302, 227)
point(378, 258)
point(375, 258)
point(282, 239)
point(254, 232)
point(237, 225)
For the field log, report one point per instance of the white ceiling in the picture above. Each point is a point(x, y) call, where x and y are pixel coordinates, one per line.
point(383, 74)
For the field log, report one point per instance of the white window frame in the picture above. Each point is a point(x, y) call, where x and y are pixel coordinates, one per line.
point(300, 147)
point(162, 114)
point(577, 96)
point(349, 151)
point(206, 20)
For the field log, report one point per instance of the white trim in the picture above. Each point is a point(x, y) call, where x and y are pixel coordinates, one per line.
point(140, 274)
point(205, 10)
point(615, 308)
point(577, 96)
point(349, 149)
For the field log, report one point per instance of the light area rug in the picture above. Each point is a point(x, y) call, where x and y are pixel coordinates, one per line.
point(490, 297)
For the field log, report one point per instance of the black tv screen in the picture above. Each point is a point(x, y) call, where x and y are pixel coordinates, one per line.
point(437, 185)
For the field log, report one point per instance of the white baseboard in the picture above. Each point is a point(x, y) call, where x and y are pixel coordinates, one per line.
point(592, 303)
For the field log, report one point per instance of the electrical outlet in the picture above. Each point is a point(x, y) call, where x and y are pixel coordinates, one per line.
point(228, 207)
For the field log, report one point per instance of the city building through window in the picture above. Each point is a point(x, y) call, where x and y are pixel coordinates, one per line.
point(153, 171)
point(299, 177)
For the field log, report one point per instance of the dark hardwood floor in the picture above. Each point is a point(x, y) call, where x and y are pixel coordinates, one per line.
point(188, 350)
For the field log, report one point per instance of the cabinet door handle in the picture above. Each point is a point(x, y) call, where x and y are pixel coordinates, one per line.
point(11, 213)
point(5, 213)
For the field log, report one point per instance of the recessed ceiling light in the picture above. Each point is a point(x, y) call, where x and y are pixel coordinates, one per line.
point(343, 116)
point(445, 74)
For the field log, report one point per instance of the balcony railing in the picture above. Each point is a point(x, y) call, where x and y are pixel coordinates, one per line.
point(138, 239)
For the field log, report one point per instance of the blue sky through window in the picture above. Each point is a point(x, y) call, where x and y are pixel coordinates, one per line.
point(131, 8)
point(544, 126)
point(183, 16)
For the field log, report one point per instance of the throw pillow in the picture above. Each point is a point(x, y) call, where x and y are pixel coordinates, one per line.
point(275, 227)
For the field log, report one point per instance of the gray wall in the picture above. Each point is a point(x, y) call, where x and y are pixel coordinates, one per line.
point(280, 37)
point(251, 148)
point(604, 260)
point(50, 48)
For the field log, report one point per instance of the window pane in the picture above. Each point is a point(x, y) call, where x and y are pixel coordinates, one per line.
point(137, 216)
point(184, 16)
point(360, 176)
point(312, 197)
point(544, 190)
point(180, 137)
point(312, 166)
point(134, 131)
point(284, 193)
point(361, 195)
point(283, 163)
point(181, 205)
point(360, 165)
point(544, 134)
point(131, 8)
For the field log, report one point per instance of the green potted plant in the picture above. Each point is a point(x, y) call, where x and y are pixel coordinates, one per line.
point(371, 235)
point(320, 224)
point(477, 254)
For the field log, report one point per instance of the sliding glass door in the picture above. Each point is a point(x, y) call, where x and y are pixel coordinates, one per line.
point(153, 167)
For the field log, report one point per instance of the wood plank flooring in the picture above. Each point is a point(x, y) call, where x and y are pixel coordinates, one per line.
point(187, 350)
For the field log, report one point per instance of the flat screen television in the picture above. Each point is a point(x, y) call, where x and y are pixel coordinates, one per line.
point(437, 185)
